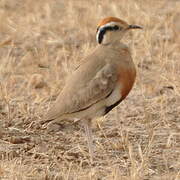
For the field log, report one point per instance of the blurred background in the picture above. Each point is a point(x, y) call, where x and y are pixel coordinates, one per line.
point(41, 43)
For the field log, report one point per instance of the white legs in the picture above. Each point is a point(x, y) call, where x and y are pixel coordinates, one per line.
point(88, 131)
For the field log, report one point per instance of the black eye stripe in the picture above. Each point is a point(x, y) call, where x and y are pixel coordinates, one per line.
point(101, 35)
point(104, 29)
point(112, 28)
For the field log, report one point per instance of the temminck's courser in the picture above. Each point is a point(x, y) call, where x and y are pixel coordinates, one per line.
point(101, 82)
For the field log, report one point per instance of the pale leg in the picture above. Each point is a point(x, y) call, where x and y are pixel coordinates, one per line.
point(88, 131)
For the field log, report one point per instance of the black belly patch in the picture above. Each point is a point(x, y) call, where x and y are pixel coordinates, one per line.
point(109, 108)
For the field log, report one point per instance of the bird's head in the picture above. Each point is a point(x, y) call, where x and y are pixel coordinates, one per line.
point(112, 29)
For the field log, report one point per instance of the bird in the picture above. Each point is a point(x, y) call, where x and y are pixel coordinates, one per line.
point(102, 80)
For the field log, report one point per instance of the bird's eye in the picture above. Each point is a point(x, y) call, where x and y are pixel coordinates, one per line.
point(116, 27)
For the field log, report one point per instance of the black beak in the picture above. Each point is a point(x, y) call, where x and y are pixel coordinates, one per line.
point(134, 27)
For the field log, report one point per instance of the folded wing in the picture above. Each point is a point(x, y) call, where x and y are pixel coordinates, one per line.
point(75, 97)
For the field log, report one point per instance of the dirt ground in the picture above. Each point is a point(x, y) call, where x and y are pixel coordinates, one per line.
point(41, 42)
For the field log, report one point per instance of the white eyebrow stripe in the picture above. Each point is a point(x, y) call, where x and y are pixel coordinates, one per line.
point(101, 27)
point(108, 24)
point(97, 35)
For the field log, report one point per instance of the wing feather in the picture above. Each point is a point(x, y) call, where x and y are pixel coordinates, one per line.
point(80, 97)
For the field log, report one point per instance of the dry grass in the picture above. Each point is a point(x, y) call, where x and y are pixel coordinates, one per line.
point(40, 43)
